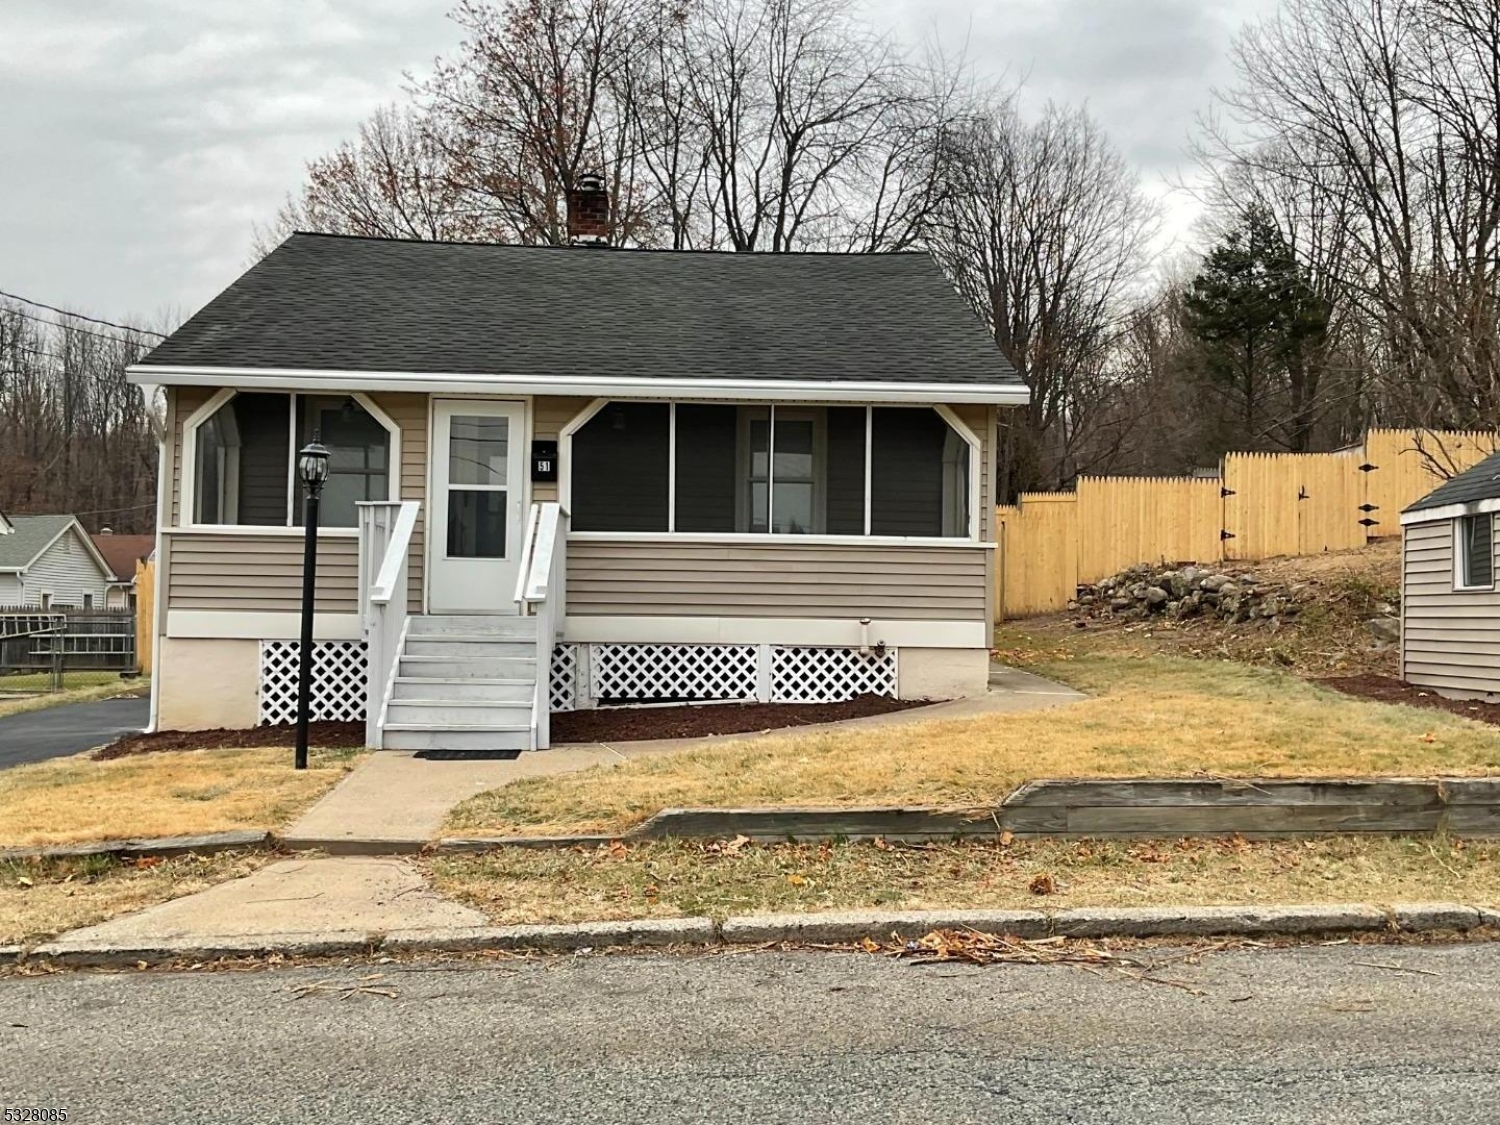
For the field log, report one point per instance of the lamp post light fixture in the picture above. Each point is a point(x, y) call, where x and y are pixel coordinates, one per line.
point(312, 470)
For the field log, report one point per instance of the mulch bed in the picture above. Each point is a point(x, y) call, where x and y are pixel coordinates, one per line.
point(606, 724)
point(334, 736)
point(1388, 689)
point(634, 724)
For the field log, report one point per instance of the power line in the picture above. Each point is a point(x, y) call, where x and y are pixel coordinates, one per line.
point(71, 327)
point(80, 316)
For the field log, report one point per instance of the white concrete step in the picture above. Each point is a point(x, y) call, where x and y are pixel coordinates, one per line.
point(447, 713)
point(458, 646)
point(460, 667)
point(419, 736)
point(501, 628)
point(517, 689)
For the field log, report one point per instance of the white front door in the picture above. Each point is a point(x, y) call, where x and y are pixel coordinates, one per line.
point(477, 520)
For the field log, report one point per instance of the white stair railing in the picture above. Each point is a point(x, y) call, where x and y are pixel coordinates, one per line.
point(385, 531)
point(541, 592)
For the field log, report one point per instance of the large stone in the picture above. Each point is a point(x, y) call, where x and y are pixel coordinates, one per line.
point(1387, 630)
point(1156, 596)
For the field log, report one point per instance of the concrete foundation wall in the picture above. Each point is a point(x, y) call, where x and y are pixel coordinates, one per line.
point(941, 673)
point(207, 683)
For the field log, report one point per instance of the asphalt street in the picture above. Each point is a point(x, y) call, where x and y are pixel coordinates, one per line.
point(1358, 1034)
point(35, 736)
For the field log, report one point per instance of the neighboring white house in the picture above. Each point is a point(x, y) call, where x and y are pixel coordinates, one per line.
point(50, 561)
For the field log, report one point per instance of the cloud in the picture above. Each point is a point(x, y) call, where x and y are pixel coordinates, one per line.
point(141, 141)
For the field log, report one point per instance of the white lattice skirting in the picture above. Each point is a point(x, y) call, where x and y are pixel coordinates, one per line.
point(338, 681)
point(768, 673)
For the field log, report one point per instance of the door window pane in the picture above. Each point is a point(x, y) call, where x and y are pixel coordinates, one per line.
point(476, 524)
point(478, 450)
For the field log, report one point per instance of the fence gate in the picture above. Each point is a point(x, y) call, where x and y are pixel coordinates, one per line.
point(51, 650)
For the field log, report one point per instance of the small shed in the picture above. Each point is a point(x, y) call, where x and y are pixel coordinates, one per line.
point(1450, 607)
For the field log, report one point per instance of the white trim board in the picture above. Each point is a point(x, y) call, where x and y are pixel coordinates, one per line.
point(262, 626)
point(773, 630)
point(1450, 511)
point(593, 385)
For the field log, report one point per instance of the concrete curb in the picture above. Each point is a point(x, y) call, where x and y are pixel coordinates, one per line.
point(832, 928)
point(163, 846)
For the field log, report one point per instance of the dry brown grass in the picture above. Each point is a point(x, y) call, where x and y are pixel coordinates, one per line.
point(40, 899)
point(1345, 589)
point(667, 879)
point(1153, 717)
point(70, 800)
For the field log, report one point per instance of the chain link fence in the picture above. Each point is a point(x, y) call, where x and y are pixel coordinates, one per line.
point(60, 649)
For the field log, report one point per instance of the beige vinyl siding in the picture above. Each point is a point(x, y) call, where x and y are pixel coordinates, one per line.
point(258, 573)
point(661, 578)
point(549, 414)
point(1450, 639)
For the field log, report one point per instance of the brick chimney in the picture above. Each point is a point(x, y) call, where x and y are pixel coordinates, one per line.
point(588, 212)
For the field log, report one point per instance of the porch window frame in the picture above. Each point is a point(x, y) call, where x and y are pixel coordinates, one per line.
point(954, 422)
point(187, 499)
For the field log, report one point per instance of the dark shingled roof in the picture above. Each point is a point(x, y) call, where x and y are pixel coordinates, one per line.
point(1482, 482)
point(362, 304)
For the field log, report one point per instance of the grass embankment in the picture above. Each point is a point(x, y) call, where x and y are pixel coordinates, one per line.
point(668, 879)
point(111, 688)
point(1151, 716)
point(178, 793)
point(40, 899)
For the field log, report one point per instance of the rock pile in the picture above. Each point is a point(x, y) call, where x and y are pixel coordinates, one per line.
point(1191, 591)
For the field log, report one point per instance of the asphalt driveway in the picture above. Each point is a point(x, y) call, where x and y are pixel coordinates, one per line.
point(36, 736)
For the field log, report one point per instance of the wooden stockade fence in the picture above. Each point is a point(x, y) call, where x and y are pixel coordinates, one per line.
point(145, 613)
point(1260, 506)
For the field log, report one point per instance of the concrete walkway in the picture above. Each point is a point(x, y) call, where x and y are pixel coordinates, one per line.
point(394, 797)
point(350, 894)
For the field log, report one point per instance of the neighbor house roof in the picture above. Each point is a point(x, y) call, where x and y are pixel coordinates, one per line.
point(122, 552)
point(323, 306)
point(1482, 482)
point(30, 537)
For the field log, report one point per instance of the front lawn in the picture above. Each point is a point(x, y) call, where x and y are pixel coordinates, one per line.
point(673, 878)
point(170, 793)
point(40, 899)
point(1152, 716)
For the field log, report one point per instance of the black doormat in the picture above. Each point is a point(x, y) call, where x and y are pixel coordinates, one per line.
point(468, 755)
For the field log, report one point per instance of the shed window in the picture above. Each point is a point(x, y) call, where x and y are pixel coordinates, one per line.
point(1476, 552)
point(786, 470)
point(243, 468)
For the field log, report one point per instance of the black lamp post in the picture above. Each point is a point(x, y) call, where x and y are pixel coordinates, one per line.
point(312, 468)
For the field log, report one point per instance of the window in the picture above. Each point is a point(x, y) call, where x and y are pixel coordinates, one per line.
point(1474, 549)
point(244, 471)
point(88, 601)
point(785, 470)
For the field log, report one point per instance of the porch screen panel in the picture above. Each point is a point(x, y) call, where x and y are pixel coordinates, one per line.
point(242, 467)
point(705, 479)
point(911, 457)
point(846, 470)
point(620, 469)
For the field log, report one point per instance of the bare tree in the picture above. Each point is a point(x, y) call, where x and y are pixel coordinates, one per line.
point(1044, 232)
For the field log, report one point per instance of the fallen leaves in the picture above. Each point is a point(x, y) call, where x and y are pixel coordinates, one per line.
point(1044, 883)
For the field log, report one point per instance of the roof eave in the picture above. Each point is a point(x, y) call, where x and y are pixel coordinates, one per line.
point(587, 385)
point(1438, 512)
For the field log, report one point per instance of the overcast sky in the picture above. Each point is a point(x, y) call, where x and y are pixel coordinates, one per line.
point(140, 140)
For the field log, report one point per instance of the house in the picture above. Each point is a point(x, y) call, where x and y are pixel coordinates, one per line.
point(123, 553)
point(565, 476)
point(1450, 609)
point(50, 561)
